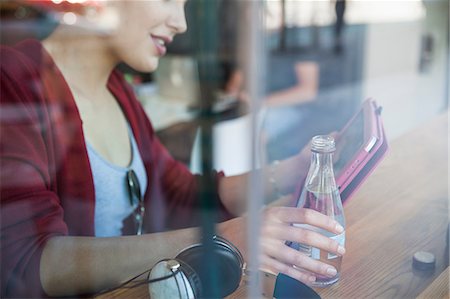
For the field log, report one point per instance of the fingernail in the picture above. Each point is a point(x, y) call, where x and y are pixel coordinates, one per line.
point(332, 272)
point(312, 279)
point(339, 228)
point(341, 250)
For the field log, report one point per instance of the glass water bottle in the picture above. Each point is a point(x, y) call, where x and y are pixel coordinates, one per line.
point(320, 193)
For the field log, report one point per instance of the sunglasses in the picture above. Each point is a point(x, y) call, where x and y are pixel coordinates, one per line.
point(136, 198)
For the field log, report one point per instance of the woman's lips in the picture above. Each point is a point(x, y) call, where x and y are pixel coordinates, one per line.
point(160, 44)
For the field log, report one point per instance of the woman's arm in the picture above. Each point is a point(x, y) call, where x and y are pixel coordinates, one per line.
point(278, 179)
point(80, 265)
point(304, 91)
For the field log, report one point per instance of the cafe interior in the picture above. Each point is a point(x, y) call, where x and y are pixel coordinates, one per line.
point(250, 83)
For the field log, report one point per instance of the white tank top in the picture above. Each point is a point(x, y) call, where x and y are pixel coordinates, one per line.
point(112, 203)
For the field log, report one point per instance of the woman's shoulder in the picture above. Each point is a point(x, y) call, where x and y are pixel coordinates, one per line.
point(21, 73)
point(21, 61)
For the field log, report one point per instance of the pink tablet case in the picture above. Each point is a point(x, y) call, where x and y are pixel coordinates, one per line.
point(366, 158)
point(364, 161)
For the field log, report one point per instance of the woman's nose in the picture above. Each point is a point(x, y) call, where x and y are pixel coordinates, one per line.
point(177, 21)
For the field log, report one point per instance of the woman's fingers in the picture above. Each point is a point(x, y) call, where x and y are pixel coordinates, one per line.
point(291, 257)
point(284, 232)
point(276, 266)
point(278, 228)
point(303, 216)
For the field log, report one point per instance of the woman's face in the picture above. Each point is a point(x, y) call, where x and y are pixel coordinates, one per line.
point(145, 28)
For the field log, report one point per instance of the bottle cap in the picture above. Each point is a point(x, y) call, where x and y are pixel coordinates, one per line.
point(423, 260)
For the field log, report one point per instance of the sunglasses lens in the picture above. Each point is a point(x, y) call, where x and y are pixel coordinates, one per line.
point(134, 188)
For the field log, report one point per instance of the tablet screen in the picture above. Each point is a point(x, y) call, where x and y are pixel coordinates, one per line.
point(348, 144)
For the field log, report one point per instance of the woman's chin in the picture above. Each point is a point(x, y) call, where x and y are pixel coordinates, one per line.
point(149, 65)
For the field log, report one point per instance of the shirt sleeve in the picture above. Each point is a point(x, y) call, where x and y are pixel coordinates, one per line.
point(30, 210)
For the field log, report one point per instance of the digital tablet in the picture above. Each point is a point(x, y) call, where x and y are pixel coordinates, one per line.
point(360, 146)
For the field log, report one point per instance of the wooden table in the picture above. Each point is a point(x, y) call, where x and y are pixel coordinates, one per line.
point(401, 209)
point(439, 287)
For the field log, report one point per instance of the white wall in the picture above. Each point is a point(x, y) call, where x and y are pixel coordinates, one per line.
point(391, 69)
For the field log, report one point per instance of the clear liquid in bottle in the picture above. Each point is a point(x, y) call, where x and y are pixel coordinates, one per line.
point(321, 194)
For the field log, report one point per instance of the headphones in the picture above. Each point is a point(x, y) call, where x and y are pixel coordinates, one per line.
point(186, 276)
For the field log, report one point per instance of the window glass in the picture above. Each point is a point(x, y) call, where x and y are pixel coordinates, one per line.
point(132, 131)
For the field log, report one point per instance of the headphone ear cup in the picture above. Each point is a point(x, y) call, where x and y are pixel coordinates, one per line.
point(193, 278)
point(182, 285)
point(229, 265)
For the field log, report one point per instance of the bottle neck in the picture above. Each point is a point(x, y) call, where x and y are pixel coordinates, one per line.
point(321, 174)
point(322, 160)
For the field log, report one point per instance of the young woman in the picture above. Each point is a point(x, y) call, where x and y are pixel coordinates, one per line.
point(74, 138)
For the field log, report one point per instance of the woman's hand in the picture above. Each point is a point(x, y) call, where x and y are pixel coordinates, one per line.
point(276, 229)
point(277, 257)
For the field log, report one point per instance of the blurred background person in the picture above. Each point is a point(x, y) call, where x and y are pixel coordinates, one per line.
point(339, 8)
